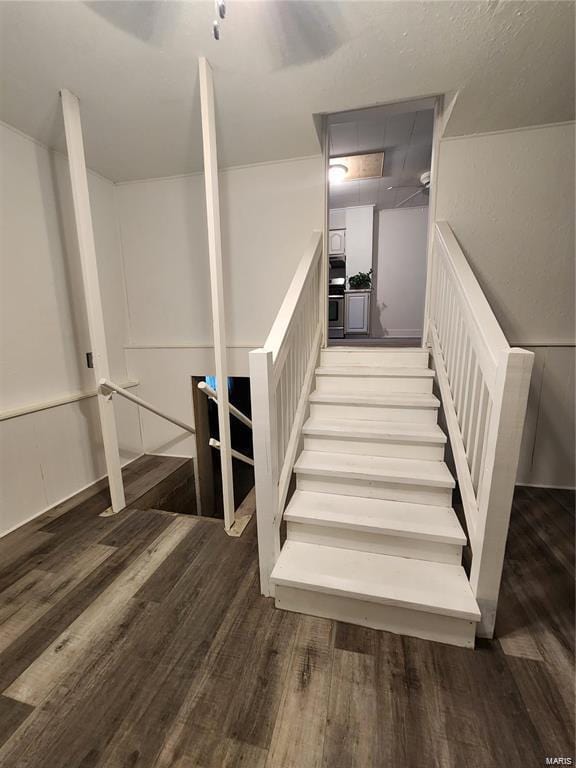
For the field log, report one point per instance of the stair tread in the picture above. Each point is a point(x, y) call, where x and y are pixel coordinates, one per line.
point(375, 371)
point(374, 349)
point(414, 584)
point(398, 399)
point(365, 429)
point(379, 468)
point(394, 518)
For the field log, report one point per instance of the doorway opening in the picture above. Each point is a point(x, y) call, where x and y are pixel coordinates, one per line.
point(208, 457)
point(379, 182)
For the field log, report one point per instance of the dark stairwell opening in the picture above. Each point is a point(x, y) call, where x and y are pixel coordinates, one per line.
point(208, 458)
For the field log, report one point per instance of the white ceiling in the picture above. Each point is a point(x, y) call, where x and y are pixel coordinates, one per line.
point(406, 138)
point(133, 65)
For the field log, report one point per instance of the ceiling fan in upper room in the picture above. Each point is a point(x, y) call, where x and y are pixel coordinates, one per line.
point(422, 188)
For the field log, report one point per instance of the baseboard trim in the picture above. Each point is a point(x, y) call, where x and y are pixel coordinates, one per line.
point(547, 487)
point(170, 455)
point(99, 480)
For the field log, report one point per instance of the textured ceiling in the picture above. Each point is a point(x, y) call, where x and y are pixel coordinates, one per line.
point(133, 65)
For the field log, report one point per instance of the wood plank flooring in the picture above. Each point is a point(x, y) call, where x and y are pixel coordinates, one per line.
point(142, 640)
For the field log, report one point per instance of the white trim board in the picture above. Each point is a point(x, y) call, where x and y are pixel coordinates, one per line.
point(188, 457)
point(225, 169)
point(547, 487)
point(50, 149)
point(189, 345)
point(544, 344)
point(519, 129)
point(44, 405)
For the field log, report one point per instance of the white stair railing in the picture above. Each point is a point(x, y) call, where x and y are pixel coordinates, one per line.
point(281, 376)
point(213, 395)
point(108, 387)
point(236, 454)
point(484, 387)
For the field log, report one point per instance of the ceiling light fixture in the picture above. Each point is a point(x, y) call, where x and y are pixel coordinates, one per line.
point(337, 173)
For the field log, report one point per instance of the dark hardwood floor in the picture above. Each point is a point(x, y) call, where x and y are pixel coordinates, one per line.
point(142, 640)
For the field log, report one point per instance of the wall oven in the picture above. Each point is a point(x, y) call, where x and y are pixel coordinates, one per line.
point(335, 316)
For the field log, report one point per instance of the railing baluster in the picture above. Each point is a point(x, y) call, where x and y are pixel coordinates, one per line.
point(443, 304)
point(458, 348)
point(462, 375)
point(482, 462)
point(469, 394)
point(476, 456)
point(474, 413)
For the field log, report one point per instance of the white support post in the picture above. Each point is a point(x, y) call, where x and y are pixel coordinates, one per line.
point(324, 269)
point(92, 294)
point(216, 282)
point(497, 483)
point(265, 430)
point(438, 112)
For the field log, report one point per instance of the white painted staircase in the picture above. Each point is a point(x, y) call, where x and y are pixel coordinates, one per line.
point(371, 535)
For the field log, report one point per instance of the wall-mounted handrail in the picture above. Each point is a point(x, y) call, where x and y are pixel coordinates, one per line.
point(236, 454)
point(484, 385)
point(108, 386)
point(213, 395)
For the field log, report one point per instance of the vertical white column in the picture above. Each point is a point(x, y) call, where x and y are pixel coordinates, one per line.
point(266, 472)
point(324, 268)
point(216, 282)
point(92, 294)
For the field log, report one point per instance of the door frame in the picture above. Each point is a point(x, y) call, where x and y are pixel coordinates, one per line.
point(436, 132)
point(325, 146)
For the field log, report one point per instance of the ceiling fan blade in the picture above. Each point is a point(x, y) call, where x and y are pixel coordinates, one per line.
point(400, 204)
point(304, 32)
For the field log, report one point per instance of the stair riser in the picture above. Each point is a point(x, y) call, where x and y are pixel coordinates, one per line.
point(374, 385)
point(373, 413)
point(381, 358)
point(417, 494)
point(381, 544)
point(400, 621)
point(399, 450)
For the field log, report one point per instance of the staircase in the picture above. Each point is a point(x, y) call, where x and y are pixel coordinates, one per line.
point(371, 535)
point(372, 538)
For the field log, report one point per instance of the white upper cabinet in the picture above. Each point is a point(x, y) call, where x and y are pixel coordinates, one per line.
point(337, 218)
point(359, 239)
point(336, 242)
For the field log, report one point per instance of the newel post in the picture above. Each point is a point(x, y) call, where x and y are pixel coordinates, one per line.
point(496, 488)
point(265, 438)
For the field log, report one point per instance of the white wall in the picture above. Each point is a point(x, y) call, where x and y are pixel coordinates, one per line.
point(49, 454)
point(268, 214)
point(509, 198)
point(400, 272)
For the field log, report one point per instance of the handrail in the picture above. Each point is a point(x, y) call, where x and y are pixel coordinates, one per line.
point(281, 324)
point(483, 385)
point(236, 454)
point(106, 385)
point(478, 310)
point(213, 395)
